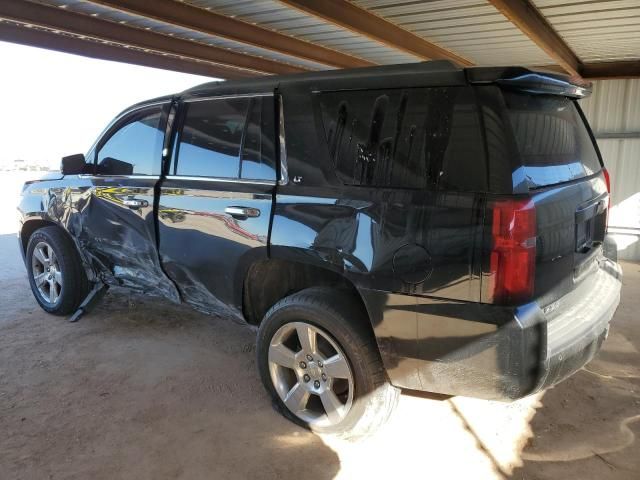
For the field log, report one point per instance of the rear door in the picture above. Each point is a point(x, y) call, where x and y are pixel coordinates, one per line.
point(116, 223)
point(215, 201)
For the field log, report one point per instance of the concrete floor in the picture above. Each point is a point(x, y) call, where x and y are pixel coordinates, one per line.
point(144, 389)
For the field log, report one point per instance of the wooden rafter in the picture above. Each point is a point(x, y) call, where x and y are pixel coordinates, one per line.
point(211, 23)
point(533, 24)
point(83, 25)
point(611, 70)
point(68, 44)
point(350, 16)
point(63, 30)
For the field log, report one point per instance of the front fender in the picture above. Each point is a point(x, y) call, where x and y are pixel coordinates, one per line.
point(48, 202)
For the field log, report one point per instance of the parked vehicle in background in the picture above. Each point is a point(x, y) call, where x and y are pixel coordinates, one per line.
point(19, 164)
point(24, 166)
point(418, 227)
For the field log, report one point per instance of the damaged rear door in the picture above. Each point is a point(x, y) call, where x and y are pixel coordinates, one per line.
point(215, 202)
point(118, 226)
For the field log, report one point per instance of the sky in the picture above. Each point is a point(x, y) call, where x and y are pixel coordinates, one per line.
point(56, 104)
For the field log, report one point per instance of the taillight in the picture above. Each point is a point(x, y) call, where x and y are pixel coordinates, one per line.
point(607, 180)
point(513, 251)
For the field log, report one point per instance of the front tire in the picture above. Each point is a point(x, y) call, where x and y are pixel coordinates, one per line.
point(57, 278)
point(320, 362)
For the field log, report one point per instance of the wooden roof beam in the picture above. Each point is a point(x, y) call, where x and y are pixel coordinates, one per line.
point(350, 16)
point(211, 23)
point(611, 70)
point(532, 23)
point(84, 25)
point(68, 44)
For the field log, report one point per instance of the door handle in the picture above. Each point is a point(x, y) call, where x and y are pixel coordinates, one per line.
point(134, 203)
point(242, 212)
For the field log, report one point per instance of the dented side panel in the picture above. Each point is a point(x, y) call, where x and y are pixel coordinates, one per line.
point(121, 236)
point(206, 250)
point(116, 242)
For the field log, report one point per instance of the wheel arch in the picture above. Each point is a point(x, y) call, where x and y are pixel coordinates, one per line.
point(32, 225)
point(269, 280)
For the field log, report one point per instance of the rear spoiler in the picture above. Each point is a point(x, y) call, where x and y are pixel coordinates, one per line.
point(523, 79)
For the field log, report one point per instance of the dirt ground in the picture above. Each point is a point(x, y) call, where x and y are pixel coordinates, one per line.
point(142, 389)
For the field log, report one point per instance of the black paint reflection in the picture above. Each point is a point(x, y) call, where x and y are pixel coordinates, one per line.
point(203, 248)
point(362, 238)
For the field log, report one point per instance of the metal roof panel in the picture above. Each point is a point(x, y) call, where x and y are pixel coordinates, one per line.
point(596, 30)
point(277, 16)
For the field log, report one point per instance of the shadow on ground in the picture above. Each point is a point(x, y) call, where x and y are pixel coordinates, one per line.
point(140, 389)
point(588, 426)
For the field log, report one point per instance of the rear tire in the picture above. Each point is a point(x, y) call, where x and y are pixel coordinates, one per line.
point(56, 275)
point(302, 388)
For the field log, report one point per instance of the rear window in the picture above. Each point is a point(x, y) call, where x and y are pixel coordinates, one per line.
point(552, 139)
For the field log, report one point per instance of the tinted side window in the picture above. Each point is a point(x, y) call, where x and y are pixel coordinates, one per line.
point(411, 138)
point(258, 148)
point(136, 147)
point(209, 144)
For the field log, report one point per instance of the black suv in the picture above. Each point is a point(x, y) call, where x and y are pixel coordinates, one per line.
point(418, 227)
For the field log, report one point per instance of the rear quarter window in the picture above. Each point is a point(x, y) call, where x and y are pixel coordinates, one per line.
point(552, 138)
point(407, 138)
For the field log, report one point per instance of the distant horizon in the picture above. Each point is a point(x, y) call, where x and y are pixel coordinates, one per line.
point(57, 104)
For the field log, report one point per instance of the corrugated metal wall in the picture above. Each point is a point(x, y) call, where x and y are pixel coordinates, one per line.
point(614, 113)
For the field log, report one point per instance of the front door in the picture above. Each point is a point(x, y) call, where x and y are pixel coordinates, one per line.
point(116, 223)
point(215, 202)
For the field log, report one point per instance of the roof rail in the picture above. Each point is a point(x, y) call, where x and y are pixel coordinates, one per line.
point(431, 66)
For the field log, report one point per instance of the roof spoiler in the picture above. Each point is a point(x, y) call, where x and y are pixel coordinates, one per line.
point(523, 79)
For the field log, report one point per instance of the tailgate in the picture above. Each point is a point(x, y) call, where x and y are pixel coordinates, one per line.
point(561, 166)
point(571, 224)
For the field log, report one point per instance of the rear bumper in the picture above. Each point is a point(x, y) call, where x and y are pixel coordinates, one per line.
point(574, 334)
point(487, 351)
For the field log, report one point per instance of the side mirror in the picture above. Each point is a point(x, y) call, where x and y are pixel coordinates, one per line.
point(72, 164)
point(113, 166)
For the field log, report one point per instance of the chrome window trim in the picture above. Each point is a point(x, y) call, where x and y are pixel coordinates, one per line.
point(124, 177)
point(227, 97)
point(284, 173)
point(183, 177)
point(246, 181)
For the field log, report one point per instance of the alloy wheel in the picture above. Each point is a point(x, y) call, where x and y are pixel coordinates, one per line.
point(46, 272)
point(311, 374)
